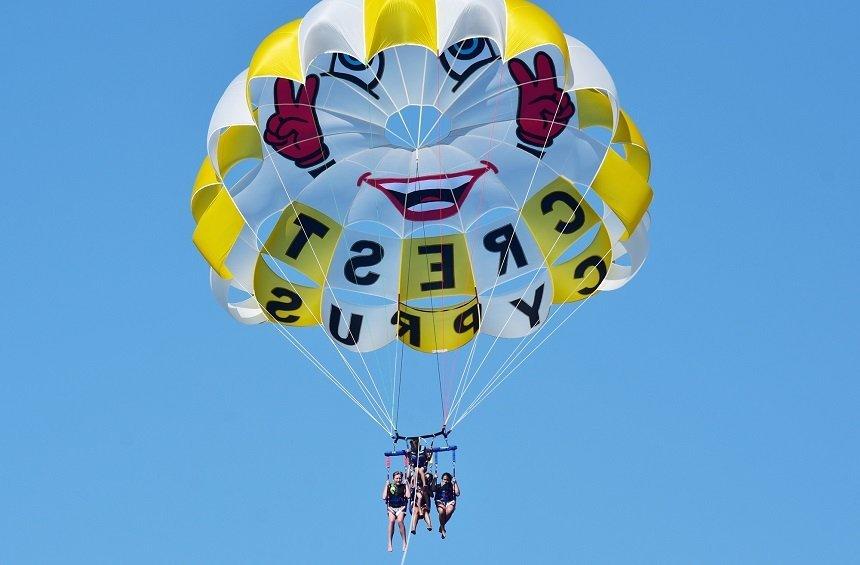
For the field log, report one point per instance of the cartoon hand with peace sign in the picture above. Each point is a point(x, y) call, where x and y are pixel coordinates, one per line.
point(294, 130)
point(544, 109)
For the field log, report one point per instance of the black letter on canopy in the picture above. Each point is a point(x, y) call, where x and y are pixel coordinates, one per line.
point(468, 320)
point(533, 310)
point(578, 219)
point(504, 240)
point(593, 261)
point(446, 265)
point(308, 227)
point(274, 306)
point(374, 258)
point(354, 326)
point(409, 324)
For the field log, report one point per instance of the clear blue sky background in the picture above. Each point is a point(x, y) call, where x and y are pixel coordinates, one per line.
point(139, 424)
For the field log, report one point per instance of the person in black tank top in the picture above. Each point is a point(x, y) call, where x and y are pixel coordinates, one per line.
point(396, 495)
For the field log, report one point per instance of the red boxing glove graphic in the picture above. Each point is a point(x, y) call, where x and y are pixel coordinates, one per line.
point(544, 108)
point(294, 130)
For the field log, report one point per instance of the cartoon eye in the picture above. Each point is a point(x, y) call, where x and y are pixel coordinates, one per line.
point(351, 62)
point(346, 67)
point(464, 58)
point(468, 48)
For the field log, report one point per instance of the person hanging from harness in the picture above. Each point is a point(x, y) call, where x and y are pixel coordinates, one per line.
point(446, 493)
point(419, 457)
point(421, 503)
point(396, 495)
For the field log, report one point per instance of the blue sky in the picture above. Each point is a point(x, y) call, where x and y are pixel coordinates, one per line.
point(139, 424)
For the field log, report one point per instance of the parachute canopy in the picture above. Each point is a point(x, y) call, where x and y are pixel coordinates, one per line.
point(419, 173)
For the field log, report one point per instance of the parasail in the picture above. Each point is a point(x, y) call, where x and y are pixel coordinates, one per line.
point(431, 188)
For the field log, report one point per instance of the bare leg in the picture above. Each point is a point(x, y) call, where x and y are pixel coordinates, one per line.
point(441, 509)
point(445, 514)
point(428, 519)
point(450, 513)
point(402, 527)
point(415, 512)
point(390, 529)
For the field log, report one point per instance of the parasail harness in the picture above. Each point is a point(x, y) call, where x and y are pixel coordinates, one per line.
point(405, 453)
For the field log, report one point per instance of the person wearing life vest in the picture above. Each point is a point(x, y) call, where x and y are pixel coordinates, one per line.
point(396, 495)
point(419, 457)
point(446, 493)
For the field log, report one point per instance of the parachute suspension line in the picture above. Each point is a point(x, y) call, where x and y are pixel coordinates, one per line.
point(375, 355)
point(398, 370)
point(304, 351)
point(436, 343)
point(402, 344)
point(360, 92)
point(378, 401)
point(520, 346)
point(394, 104)
point(370, 133)
point(414, 144)
point(473, 347)
point(468, 366)
point(432, 309)
point(397, 377)
point(446, 413)
point(523, 344)
point(297, 344)
point(499, 377)
point(395, 373)
point(377, 408)
point(322, 368)
point(505, 371)
point(376, 404)
point(455, 99)
point(424, 232)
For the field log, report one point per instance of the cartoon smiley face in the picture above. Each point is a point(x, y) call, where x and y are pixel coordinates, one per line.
point(384, 102)
point(426, 154)
point(415, 135)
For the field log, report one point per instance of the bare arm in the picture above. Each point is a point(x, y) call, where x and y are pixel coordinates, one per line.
point(456, 488)
point(385, 491)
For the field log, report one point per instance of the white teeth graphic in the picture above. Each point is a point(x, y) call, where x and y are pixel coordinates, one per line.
point(430, 206)
point(449, 183)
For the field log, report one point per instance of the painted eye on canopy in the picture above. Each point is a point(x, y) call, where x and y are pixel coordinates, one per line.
point(464, 58)
point(346, 67)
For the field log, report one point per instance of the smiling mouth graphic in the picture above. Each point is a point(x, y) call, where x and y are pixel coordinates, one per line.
point(429, 197)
